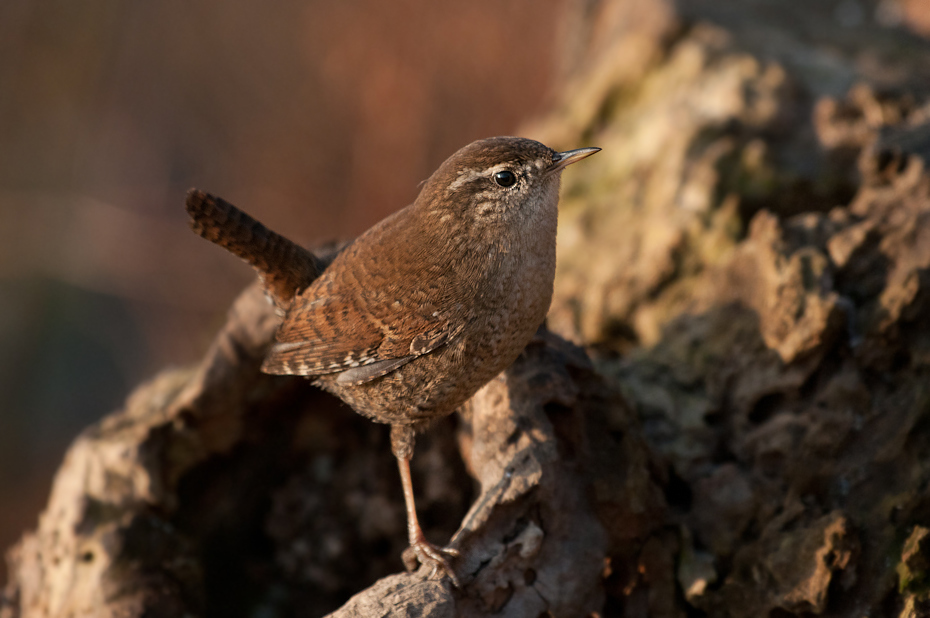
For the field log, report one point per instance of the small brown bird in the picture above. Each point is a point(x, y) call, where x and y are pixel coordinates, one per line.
point(424, 308)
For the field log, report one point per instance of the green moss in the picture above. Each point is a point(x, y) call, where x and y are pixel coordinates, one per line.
point(914, 568)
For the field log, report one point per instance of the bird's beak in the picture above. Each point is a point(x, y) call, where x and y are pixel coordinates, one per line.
point(563, 159)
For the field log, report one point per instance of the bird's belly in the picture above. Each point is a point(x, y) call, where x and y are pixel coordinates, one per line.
point(437, 383)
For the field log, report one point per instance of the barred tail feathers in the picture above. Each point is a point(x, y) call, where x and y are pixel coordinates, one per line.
point(285, 268)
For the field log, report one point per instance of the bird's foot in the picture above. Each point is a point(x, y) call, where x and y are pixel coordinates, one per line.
point(423, 552)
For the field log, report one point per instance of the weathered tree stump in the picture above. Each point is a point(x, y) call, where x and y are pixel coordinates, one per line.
point(223, 491)
point(750, 261)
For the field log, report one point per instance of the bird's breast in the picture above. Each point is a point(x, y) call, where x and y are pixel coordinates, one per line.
point(517, 291)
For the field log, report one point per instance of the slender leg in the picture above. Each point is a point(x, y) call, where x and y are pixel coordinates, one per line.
point(426, 552)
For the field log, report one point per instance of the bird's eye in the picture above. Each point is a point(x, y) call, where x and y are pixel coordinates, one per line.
point(505, 178)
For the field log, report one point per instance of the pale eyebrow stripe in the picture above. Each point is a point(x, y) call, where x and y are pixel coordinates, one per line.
point(466, 176)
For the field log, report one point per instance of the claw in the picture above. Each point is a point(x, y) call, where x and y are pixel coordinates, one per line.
point(432, 556)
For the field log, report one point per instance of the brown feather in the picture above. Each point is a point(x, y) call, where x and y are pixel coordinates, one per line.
point(364, 309)
point(284, 267)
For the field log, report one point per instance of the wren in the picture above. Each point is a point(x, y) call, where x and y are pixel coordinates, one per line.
point(419, 312)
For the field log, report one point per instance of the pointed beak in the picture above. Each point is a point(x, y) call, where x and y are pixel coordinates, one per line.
point(561, 160)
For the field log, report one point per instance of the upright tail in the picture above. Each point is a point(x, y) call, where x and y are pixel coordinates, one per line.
point(285, 268)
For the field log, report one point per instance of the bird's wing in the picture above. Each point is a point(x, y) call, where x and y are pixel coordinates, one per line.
point(364, 341)
point(364, 327)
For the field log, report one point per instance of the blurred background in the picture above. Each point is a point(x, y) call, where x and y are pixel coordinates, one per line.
point(319, 118)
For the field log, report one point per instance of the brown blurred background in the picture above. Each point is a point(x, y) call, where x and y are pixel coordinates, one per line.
point(317, 117)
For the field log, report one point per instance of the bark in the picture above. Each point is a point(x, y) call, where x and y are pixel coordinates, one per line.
point(224, 491)
point(747, 263)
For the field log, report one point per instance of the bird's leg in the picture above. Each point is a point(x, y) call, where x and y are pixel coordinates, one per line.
point(402, 441)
